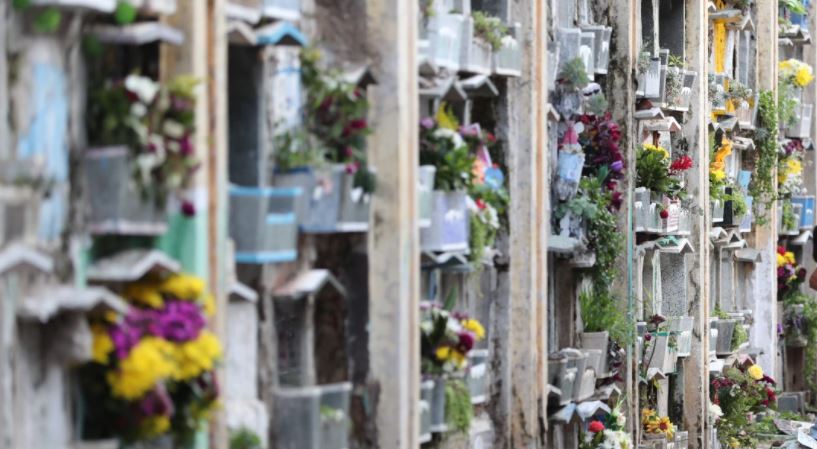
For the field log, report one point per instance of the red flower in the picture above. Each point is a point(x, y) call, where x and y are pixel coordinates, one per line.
point(664, 214)
point(490, 137)
point(480, 203)
point(466, 341)
point(683, 163)
point(801, 274)
point(596, 427)
point(781, 250)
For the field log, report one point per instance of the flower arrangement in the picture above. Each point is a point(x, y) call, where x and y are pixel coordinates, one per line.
point(740, 393)
point(657, 172)
point(157, 123)
point(489, 28)
point(789, 274)
point(153, 369)
point(652, 424)
point(607, 434)
point(796, 72)
point(335, 125)
point(717, 168)
point(803, 324)
point(446, 338)
point(462, 156)
point(790, 169)
point(600, 139)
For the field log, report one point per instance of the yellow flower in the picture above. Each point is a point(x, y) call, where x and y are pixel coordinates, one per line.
point(149, 362)
point(475, 327)
point(790, 257)
point(803, 76)
point(781, 260)
point(665, 426)
point(144, 294)
point(719, 175)
point(183, 286)
point(657, 149)
point(442, 353)
point(794, 166)
point(724, 150)
point(102, 345)
point(111, 317)
point(155, 426)
point(733, 442)
point(646, 414)
point(755, 372)
point(210, 305)
point(196, 356)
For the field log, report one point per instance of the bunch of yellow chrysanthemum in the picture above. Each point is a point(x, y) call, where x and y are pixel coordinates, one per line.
point(796, 72)
point(657, 149)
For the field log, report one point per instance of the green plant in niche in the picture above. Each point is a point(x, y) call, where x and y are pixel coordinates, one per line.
point(786, 104)
point(809, 327)
point(125, 12)
point(643, 63)
point(573, 75)
point(739, 206)
point(489, 28)
point(788, 217)
point(458, 408)
point(794, 6)
point(762, 187)
point(674, 85)
point(739, 92)
point(739, 336)
point(48, 21)
point(244, 438)
point(676, 61)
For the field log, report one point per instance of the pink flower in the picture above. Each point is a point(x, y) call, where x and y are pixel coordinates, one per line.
point(596, 427)
point(466, 341)
point(352, 167)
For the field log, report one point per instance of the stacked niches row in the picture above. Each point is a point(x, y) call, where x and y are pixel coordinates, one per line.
point(120, 348)
point(300, 191)
point(588, 323)
point(467, 52)
point(797, 310)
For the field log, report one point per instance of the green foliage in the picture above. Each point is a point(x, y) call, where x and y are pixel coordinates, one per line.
point(481, 236)
point(762, 188)
point(652, 172)
point(573, 75)
point(601, 311)
point(794, 6)
point(739, 206)
point(809, 327)
point(109, 117)
point(298, 148)
point(335, 114)
point(597, 105)
point(674, 84)
point(48, 21)
point(788, 217)
point(676, 61)
point(244, 439)
point(125, 12)
point(489, 28)
point(458, 408)
point(739, 336)
point(739, 91)
point(643, 63)
point(786, 104)
point(453, 167)
point(21, 4)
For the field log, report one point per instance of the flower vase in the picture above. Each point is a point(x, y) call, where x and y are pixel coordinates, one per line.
point(426, 391)
point(318, 207)
point(354, 206)
point(477, 375)
point(654, 440)
point(725, 330)
point(438, 422)
point(267, 231)
point(476, 54)
point(117, 205)
point(425, 189)
point(334, 411)
point(597, 341)
point(450, 226)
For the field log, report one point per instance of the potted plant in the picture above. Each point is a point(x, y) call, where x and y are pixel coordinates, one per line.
point(152, 378)
point(508, 57)
point(326, 159)
point(442, 146)
point(447, 338)
point(572, 78)
point(141, 154)
point(662, 177)
point(656, 427)
point(483, 35)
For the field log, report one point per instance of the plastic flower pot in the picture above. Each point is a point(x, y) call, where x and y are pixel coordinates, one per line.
point(794, 334)
point(283, 9)
point(585, 385)
point(601, 49)
point(717, 210)
point(597, 341)
point(264, 225)
point(425, 189)
point(681, 440)
point(117, 205)
point(426, 391)
point(801, 129)
point(318, 208)
point(438, 423)
point(354, 206)
point(508, 59)
point(748, 219)
point(654, 440)
point(477, 378)
point(657, 353)
point(476, 54)
point(807, 205)
point(713, 338)
point(297, 418)
point(19, 214)
point(334, 413)
point(570, 383)
point(569, 174)
point(725, 330)
point(641, 212)
point(652, 79)
point(658, 224)
point(557, 366)
point(445, 39)
point(449, 230)
point(587, 52)
point(681, 327)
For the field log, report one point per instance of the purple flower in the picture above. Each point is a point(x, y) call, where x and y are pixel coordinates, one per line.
point(617, 166)
point(180, 321)
point(466, 341)
point(188, 208)
point(185, 146)
point(427, 122)
point(157, 402)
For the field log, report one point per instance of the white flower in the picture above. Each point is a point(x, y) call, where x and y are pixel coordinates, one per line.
point(715, 412)
point(173, 129)
point(138, 110)
point(143, 87)
point(509, 42)
point(453, 136)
